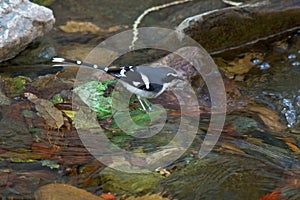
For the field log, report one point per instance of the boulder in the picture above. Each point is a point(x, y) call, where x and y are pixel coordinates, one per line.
point(232, 28)
point(63, 191)
point(20, 23)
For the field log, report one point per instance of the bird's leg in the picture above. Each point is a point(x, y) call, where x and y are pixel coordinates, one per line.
point(149, 107)
point(142, 104)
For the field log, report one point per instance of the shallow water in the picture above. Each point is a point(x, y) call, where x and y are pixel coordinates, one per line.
point(278, 86)
point(32, 154)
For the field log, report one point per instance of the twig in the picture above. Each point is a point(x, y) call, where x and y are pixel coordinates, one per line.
point(139, 19)
point(232, 3)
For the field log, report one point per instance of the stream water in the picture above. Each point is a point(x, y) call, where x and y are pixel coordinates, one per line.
point(257, 154)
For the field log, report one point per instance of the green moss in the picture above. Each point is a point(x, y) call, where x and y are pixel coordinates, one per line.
point(57, 99)
point(51, 164)
point(129, 183)
point(93, 95)
point(16, 86)
point(43, 2)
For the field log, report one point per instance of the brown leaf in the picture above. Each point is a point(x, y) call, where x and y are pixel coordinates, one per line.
point(271, 196)
point(52, 116)
point(86, 28)
point(293, 147)
point(239, 66)
point(108, 196)
point(148, 197)
point(232, 148)
point(269, 117)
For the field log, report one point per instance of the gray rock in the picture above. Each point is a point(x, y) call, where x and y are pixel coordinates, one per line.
point(20, 23)
point(231, 28)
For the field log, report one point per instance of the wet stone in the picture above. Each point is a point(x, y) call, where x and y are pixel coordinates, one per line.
point(221, 177)
point(255, 61)
point(264, 66)
point(291, 56)
point(247, 24)
point(14, 135)
point(63, 191)
point(127, 183)
point(296, 63)
point(22, 22)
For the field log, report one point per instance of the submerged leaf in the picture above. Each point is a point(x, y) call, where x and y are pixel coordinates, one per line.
point(269, 117)
point(86, 28)
point(240, 66)
point(16, 86)
point(52, 116)
point(51, 164)
point(293, 147)
point(148, 197)
point(272, 196)
point(93, 95)
point(57, 99)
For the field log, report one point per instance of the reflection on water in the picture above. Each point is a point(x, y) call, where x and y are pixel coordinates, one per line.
point(278, 84)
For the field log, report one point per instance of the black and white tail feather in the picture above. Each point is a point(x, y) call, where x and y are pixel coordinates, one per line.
point(144, 81)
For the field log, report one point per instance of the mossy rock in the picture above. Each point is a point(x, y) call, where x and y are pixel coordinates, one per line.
point(222, 177)
point(43, 2)
point(130, 183)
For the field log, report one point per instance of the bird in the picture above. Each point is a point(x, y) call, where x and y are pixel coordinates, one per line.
point(145, 81)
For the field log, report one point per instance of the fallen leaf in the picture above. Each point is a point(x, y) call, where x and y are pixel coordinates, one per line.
point(271, 196)
point(239, 66)
point(256, 141)
point(69, 113)
point(87, 28)
point(293, 147)
point(232, 148)
point(15, 86)
point(148, 197)
point(270, 118)
point(52, 116)
point(108, 196)
point(163, 171)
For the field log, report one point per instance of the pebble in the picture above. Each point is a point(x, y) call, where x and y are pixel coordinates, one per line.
point(255, 61)
point(296, 63)
point(264, 66)
point(291, 56)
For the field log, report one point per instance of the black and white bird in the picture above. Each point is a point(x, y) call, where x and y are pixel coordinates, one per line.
point(145, 81)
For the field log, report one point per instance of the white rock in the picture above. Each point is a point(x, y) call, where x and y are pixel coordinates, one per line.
point(20, 23)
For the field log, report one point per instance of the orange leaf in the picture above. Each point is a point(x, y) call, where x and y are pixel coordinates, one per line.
point(293, 147)
point(108, 196)
point(52, 116)
point(270, 118)
point(232, 148)
point(271, 196)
